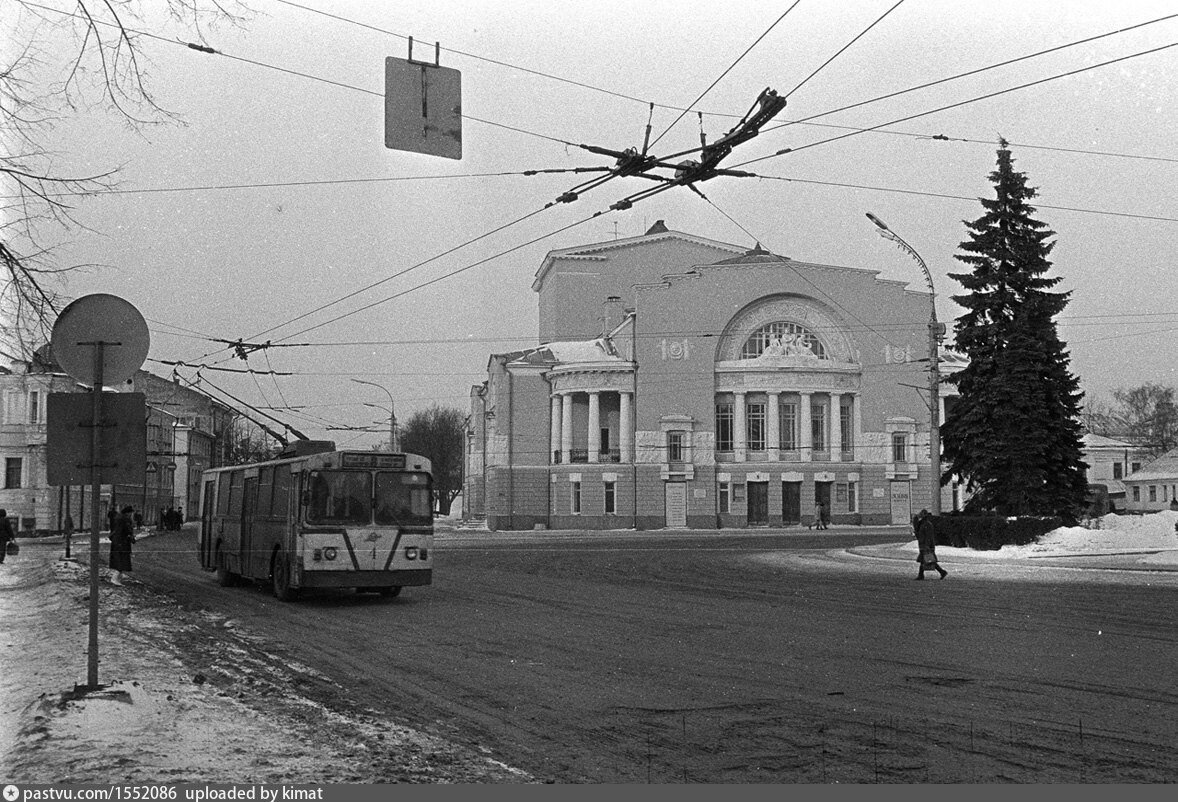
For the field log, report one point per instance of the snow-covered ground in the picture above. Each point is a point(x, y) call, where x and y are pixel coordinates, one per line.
point(1152, 536)
point(159, 721)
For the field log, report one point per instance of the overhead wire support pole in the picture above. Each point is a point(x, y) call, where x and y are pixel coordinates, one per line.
point(935, 332)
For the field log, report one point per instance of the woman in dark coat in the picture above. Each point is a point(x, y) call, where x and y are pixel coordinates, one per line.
point(926, 541)
point(122, 535)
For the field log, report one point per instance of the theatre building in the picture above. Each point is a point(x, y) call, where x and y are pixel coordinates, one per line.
point(685, 382)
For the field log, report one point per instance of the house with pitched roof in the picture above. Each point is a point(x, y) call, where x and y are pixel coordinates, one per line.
point(1155, 486)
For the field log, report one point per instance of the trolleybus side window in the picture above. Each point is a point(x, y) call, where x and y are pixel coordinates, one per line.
point(265, 491)
point(236, 493)
point(403, 498)
point(223, 494)
point(281, 491)
point(340, 497)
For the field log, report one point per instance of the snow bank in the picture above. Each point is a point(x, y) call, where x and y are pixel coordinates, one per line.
point(1117, 534)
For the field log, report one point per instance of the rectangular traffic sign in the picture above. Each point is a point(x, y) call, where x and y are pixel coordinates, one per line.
point(122, 457)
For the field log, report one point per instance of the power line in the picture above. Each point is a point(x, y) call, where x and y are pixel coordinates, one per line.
point(972, 199)
point(977, 71)
point(962, 103)
point(843, 49)
point(730, 68)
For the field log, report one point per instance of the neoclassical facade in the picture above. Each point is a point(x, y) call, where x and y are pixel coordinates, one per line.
point(685, 382)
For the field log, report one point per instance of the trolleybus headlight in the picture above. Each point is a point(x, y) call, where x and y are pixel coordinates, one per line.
point(330, 552)
point(411, 552)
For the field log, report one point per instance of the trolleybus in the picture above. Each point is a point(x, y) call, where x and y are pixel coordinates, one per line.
point(316, 517)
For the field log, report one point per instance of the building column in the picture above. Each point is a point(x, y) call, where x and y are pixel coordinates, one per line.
point(836, 427)
point(555, 430)
point(805, 427)
point(740, 435)
point(595, 426)
point(856, 428)
point(773, 427)
point(566, 427)
point(626, 428)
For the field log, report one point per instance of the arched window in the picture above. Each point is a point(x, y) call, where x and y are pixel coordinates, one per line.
point(784, 334)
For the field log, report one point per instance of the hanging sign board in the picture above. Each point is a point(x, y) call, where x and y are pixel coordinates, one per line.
point(422, 108)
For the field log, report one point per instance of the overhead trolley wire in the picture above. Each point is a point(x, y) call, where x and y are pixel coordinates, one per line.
point(842, 50)
point(976, 99)
point(730, 68)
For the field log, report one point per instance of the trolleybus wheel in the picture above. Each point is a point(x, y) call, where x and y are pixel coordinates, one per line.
point(225, 577)
point(280, 579)
point(391, 592)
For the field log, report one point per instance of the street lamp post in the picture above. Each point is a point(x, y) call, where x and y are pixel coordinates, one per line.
point(393, 445)
point(935, 332)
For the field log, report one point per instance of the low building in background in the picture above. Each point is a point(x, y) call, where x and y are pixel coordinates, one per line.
point(1109, 461)
point(684, 382)
point(1155, 486)
point(186, 430)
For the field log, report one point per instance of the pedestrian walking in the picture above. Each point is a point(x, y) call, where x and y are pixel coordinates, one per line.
point(819, 515)
point(926, 541)
point(122, 535)
point(6, 534)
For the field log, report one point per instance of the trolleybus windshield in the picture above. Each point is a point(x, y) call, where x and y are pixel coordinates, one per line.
point(346, 497)
point(340, 497)
point(403, 499)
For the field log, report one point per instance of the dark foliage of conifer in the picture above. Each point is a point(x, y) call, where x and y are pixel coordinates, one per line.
point(1015, 432)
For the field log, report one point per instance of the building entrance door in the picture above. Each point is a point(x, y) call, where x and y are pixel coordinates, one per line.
point(758, 503)
point(822, 493)
point(676, 499)
point(901, 502)
point(791, 502)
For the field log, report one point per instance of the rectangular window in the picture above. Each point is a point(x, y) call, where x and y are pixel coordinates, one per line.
point(1153, 492)
point(1136, 467)
point(34, 406)
point(611, 504)
point(899, 447)
point(738, 495)
point(724, 426)
point(12, 471)
point(788, 411)
point(840, 493)
point(1118, 470)
point(755, 419)
point(725, 497)
point(675, 446)
point(852, 496)
point(847, 427)
point(818, 427)
point(576, 498)
point(1136, 492)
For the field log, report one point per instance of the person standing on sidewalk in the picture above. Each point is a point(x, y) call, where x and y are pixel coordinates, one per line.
point(926, 541)
point(6, 534)
point(122, 535)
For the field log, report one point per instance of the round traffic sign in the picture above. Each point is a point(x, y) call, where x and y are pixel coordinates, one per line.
point(100, 323)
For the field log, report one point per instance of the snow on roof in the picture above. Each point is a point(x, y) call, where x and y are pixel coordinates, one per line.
point(600, 349)
point(1164, 467)
point(1100, 441)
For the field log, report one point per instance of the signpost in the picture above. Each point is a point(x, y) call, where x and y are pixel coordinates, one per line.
point(97, 339)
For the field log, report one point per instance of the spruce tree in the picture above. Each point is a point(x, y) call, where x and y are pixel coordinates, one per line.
point(1015, 432)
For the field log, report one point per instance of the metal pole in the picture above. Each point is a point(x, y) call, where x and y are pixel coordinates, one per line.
point(393, 444)
point(95, 491)
point(934, 358)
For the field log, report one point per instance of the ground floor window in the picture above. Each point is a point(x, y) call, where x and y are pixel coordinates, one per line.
point(845, 496)
point(12, 471)
point(725, 497)
point(611, 504)
point(576, 498)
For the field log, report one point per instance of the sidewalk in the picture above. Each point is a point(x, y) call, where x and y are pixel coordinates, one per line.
point(155, 718)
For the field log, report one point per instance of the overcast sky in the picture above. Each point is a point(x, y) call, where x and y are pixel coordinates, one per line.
point(320, 209)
